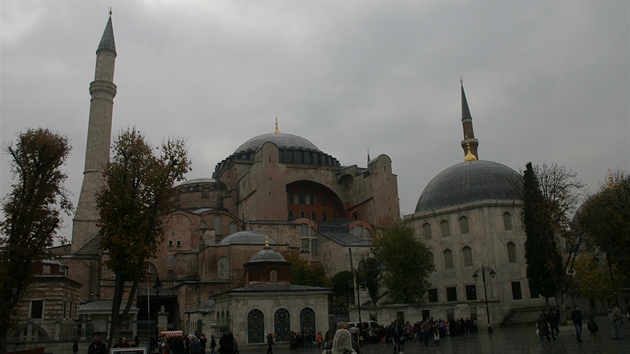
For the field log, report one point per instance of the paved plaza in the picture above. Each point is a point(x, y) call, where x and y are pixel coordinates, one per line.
point(504, 340)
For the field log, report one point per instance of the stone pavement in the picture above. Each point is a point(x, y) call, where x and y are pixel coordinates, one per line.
point(520, 339)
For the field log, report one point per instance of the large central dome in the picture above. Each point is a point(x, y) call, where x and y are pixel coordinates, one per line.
point(282, 140)
point(469, 182)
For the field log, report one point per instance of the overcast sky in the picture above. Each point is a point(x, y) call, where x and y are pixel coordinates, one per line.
point(546, 81)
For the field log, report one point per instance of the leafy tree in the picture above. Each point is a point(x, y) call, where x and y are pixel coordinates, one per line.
point(605, 218)
point(138, 192)
point(342, 288)
point(369, 277)
point(591, 279)
point(407, 264)
point(550, 197)
point(32, 214)
point(303, 273)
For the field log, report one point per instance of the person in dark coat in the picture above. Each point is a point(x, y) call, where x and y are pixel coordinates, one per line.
point(576, 317)
point(543, 327)
point(97, 347)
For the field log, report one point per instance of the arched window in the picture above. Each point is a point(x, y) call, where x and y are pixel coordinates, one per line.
point(445, 230)
point(291, 214)
point(218, 225)
point(507, 221)
point(511, 251)
point(313, 216)
point(255, 327)
point(232, 228)
point(273, 276)
point(426, 231)
point(467, 254)
point(282, 325)
point(223, 267)
point(307, 320)
point(463, 225)
point(448, 259)
point(302, 214)
point(324, 217)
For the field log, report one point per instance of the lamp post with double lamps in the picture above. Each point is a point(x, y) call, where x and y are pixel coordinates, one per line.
point(492, 273)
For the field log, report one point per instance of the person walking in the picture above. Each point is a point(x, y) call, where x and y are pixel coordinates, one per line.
point(616, 319)
point(593, 328)
point(75, 347)
point(553, 318)
point(270, 343)
point(213, 345)
point(576, 317)
point(543, 327)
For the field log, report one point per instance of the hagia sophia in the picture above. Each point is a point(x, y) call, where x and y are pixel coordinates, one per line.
point(220, 266)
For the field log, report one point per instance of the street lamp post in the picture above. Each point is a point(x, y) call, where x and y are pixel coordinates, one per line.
point(157, 287)
point(492, 273)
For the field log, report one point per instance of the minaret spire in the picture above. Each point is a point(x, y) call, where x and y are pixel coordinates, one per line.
point(102, 90)
point(469, 144)
point(277, 131)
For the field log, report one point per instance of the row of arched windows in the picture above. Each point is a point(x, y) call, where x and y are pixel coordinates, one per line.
point(281, 324)
point(464, 228)
point(467, 256)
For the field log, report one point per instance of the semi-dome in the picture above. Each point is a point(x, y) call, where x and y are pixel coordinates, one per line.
point(469, 182)
point(282, 140)
point(246, 237)
point(197, 181)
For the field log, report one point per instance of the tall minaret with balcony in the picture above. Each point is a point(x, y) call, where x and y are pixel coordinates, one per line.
point(102, 91)
point(469, 142)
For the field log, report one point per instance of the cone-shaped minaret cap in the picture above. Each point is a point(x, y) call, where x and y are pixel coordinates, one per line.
point(107, 41)
point(465, 109)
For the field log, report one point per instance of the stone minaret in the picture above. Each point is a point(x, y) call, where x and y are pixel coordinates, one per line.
point(102, 90)
point(469, 141)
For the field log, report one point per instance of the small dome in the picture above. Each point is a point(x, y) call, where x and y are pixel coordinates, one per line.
point(197, 180)
point(280, 139)
point(247, 238)
point(267, 255)
point(468, 182)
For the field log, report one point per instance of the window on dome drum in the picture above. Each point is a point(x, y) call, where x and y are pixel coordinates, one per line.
point(223, 267)
point(232, 228)
point(218, 225)
point(302, 214)
point(448, 259)
point(313, 216)
point(312, 198)
point(273, 276)
point(471, 292)
point(451, 294)
point(445, 230)
point(516, 290)
point(511, 251)
point(291, 214)
point(426, 231)
point(301, 197)
point(463, 225)
point(324, 217)
point(507, 221)
point(432, 295)
point(37, 309)
point(468, 259)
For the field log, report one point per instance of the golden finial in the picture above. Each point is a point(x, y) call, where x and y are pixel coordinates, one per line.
point(469, 155)
point(267, 241)
point(276, 131)
point(611, 181)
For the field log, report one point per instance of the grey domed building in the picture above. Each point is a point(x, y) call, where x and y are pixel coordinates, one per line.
point(469, 214)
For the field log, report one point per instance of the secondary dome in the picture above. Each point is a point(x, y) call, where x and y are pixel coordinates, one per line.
point(469, 182)
point(282, 140)
point(267, 255)
point(246, 237)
